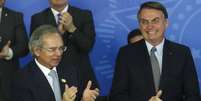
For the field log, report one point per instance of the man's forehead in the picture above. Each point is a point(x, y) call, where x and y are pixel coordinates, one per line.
point(151, 13)
point(150, 18)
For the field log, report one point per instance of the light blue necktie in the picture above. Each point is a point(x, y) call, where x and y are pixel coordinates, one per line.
point(56, 86)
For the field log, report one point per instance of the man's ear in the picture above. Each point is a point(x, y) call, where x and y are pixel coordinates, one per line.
point(167, 23)
point(36, 51)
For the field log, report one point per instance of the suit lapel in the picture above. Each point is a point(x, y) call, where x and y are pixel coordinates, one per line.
point(147, 67)
point(62, 83)
point(167, 62)
point(70, 74)
point(40, 81)
point(4, 16)
point(49, 17)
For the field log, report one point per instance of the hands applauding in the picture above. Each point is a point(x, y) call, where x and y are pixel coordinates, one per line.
point(88, 94)
point(66, 23)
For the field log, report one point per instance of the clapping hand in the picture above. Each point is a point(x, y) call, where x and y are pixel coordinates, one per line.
point(89, 94)
point(157, 97)
point(70, 93)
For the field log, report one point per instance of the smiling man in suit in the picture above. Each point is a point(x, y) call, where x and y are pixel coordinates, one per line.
point(77, 29)
point(13, 45)
point(154, 69)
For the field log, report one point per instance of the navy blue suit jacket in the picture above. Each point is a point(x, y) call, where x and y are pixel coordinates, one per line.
point(30, 84)
point(79, 44)
point(133, 79)
point(11, 28)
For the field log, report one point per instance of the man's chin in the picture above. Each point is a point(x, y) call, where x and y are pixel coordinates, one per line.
point(55, 64)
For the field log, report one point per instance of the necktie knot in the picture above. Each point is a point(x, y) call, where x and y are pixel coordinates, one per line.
point(153, 49)
point(53, 74)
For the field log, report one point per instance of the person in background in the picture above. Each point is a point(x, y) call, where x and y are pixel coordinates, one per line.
point(77, 29)
point(13, 45)
point(154, 69)
point(134, 36)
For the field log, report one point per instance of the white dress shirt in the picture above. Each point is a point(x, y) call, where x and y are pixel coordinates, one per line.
point(158, 53)
point(46, 71)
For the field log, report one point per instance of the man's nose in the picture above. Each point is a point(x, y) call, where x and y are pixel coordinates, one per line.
point(58, 52)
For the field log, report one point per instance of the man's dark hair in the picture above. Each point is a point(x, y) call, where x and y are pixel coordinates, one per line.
point(133, 33)
point(153, 5)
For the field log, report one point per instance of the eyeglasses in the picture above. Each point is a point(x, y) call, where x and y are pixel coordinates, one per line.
point(147, 22)
point(54, 49)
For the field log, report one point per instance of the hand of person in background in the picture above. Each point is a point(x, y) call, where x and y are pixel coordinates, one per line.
point(69, 93)
point(66, 23)
point(4, 52)
point(88, 94)
point(157, 97)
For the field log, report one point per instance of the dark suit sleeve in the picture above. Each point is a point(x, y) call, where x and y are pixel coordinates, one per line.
point(33, 24)
point(119, 90)
point(191, 85)
point(83, 38)
point(19, 89)
point(20, 46)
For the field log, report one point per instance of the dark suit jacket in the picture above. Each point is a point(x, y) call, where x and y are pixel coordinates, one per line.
point(78, 43)
point(30, 84)
point(12, 27)
point(133, 79)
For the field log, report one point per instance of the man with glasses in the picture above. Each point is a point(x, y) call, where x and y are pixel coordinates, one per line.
point(77, 29)
point(154, 69)
point(41, 80)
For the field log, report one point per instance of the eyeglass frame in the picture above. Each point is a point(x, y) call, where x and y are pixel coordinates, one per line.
point(61, 49)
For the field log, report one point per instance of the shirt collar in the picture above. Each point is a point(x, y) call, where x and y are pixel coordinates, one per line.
point(55, 12)
point(159, 47)
point(44, 69)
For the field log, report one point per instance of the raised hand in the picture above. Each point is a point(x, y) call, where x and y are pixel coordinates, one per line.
point(66, 23)
point(157, 97)
point(88, 94)
point(4, 51)
point(70, 93)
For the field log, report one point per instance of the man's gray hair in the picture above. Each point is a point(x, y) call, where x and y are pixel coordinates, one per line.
point(38, 35)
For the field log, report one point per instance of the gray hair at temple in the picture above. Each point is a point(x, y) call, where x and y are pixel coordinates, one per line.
point(36, 40)
point(153, 5)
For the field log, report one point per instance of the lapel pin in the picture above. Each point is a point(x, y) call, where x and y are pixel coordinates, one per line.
point(6, 14)
point(63, 80)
